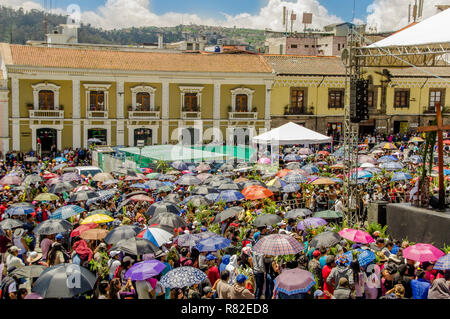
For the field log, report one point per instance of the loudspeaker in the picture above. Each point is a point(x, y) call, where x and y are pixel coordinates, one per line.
point(434, 202)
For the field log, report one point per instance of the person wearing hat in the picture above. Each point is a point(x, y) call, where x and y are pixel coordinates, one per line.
point(12, 259)
point(213, 272)
point(315, 268)
point(207, 293)
point(238, 290)
point(35, 258)
point(113, 263)
point(19, 241)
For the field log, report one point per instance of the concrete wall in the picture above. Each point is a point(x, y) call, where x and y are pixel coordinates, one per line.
point(418, 224)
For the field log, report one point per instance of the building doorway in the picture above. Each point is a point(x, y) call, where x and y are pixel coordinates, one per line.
point(367, 127)
point(100, 134)
point(335, 130)
point(400, 127)
point(144, 134)
point(47, 137)
point(241, 137)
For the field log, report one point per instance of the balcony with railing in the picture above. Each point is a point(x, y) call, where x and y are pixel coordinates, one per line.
point(243, 115)
point(298, 111)
point(144, 114)
point(97, 114)
point(192, 113)
point(46, 114)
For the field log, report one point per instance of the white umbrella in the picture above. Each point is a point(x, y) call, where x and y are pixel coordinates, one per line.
point(367, 165)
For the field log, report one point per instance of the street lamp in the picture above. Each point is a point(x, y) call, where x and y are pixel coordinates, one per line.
point(140, 144)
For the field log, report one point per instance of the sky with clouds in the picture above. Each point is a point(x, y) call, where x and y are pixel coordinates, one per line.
point(385, 15)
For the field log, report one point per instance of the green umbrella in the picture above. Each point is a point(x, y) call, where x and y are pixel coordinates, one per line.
point(46, 197)
point(328, 214)
point(153, 175)
point(164, 189)
point(99, 211)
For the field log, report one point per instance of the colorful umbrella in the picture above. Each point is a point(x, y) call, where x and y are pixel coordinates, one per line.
point(422, 252)
point(356, 235)
point(145, 269)
point(294, 281)
point(443, 263)
point(323, 181)
point(416, 139)
point(182, 277)
point(312, 222)
point(256, 192)
point(80, 229)
point(264, 160)
point(283, 172)
point(365, 257)
point(98, 219)
point(277, 244)
point(94, 234)
point(389, 146)
point(156, 235)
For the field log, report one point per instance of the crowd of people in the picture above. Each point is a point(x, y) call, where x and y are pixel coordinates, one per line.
point(140, 199)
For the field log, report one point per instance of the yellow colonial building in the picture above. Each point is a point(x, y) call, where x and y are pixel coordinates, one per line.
point(66, 96)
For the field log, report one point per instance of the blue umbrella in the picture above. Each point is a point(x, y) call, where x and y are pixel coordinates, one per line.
point(443, 263)
point(60, 159)
point(311, 169)
point(416, 158)
point(182, 277)
point(295, 178)
point(20, 210)
point(213, 243)
point(363, 174)
point(392, 166)
point(67, 212)
point(387, 158)
point(446, 172)
point(290, 188)
point(59, 166)
point(365, 257)
point(400, 176)
point(337, 180)
point(140, 185)
point(229, 196)
point(292, 157)
point(179, 165)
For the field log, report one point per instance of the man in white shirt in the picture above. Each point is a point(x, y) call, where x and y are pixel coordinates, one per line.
point(12, 260)
point(143, 289)
point(113, 263)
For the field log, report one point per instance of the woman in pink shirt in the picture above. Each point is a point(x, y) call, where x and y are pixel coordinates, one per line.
point(429, 272)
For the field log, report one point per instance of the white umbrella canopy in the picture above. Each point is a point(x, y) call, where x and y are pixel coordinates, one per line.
point(291, 133)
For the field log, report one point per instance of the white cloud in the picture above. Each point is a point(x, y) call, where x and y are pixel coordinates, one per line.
point(391, 15)
point(25, 4)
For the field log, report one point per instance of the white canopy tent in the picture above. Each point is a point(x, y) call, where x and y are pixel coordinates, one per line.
point(291, 133)
point(433, 30)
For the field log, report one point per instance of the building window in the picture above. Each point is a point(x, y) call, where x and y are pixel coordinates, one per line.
point(339, 46)
point(401, 99)
point(293, 46)
point(241, 103)
point(297, 100)
point(436, 96)
point(46, 100)
point(190, 102)
point(335, 98)
point(370, 98)
point(306, 46)
point(143, 101)
point(97, 101)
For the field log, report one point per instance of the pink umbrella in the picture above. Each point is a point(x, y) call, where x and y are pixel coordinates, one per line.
point(299, 171)
point(356, 235)
point(186, 172)
point(11, 180)
point(264, 160)
point(33, 295)
point(305, 151)
point(204, 176)
point(52, 181)
point(423, 252)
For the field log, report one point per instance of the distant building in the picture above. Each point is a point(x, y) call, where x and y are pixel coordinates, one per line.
point(63, 34)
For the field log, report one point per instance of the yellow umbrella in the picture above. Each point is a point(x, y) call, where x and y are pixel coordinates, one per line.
point(389, 146)
point(274, 182)
point(323, 181)
point(416, 139)
point(98, 219)
point(46, 197)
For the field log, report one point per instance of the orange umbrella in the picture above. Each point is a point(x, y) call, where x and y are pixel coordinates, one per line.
point(325, 153)
point(144, 198)
point(323, 181)
point(94, 234)
point(447, 142)
point(338, 166)
point(80, 229)
point(283, 172)
point(256, 192)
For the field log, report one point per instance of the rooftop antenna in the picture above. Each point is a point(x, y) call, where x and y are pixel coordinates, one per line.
point(285, 19)
point(420, 11)
point(415, 11)
point(409, 13)
point(307, 19)
point(45, 19)
point(293, 18)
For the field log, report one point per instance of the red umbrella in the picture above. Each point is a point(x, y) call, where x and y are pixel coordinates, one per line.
point(77, 231)
point(147, 170)
point(144, 198)
point(447, 142)
point(325, 153)
point(256, 192)
point(50, 176)
point(283, 172)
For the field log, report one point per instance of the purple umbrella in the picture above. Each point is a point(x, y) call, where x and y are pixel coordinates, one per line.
point(312, 222)
point(294, 281)
point(71, 177)
point(33, 295)
point(145, 269)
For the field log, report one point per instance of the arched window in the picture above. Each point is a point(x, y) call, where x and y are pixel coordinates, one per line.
point(46, 100)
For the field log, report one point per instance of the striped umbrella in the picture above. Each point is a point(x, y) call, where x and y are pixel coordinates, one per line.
point(277, 245)
point(67, 212)
point(290, 188)
point(295, 178)
point(213, 243)
point(443, 263)
point(156, 235)
point(294, 281)
point(18, 211)
point(229, 196)
point(181, 277)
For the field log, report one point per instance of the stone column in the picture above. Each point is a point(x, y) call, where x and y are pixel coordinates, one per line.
point(76, 114)
point(268, 89)
point(4, 120)
point(120, 94)
point(165, 113)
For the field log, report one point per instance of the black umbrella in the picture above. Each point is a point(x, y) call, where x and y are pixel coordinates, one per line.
point(227, 213)
point(267, 220)
point(168, 219)
point(162, 207)
point(10, 223)
point(216, 182)
point(31, 179)
point(188, 180)
point(82, 195)
point(136, 246)
point(229, 186)
point(197, 200)
point(122, 233)
point(173, 198)
point(226, 167)
point(325, 239)
point(203, 190)
point(32, 271)
point(53, 226)
point(61, 187)
point(299, 212)
point(64, 281)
